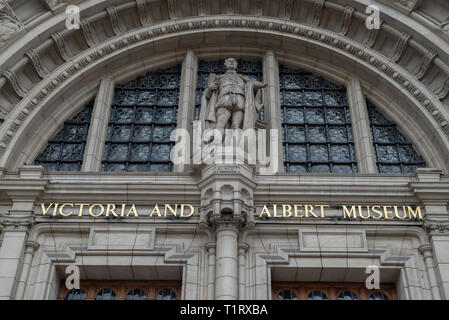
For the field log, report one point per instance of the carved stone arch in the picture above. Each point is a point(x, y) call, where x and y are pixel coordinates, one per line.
point(317, 51)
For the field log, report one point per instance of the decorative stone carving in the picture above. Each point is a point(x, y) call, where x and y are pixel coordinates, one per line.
point(41, 70)
point(88, 33)
point(54, 4)
point(231, 100)
point(405, 6)
point(400, 46)
point(9, 23)
point(439, 226)
point(428, 58)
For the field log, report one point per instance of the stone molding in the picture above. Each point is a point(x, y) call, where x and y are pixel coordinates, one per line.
point(437, 226)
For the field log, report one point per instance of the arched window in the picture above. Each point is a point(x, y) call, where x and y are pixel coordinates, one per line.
point(143, 115)
point(286, 295)
point(76, 294)
point(65, 151)
point(252, 69)
point(347, 295)
point(136, 294)
point(317, 295)
point(166, 294)
point(106, 294)
point(394, 152)
point(378, 295)
point(316, 123)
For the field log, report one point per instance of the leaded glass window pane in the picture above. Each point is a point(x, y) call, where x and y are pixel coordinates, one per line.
point(65, 151)
point(143, 116)
point(287, 295)
point(252, 69)
point(394, 152)
point(316, 124)
point(166, 294)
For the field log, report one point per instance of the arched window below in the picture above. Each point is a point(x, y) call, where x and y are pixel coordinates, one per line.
point(286, 295)
point(378, 295)
point(76, 294)
point(317, 295)
point(106, 294)
point(347, 295)
point(136, 294)
point(166, 294)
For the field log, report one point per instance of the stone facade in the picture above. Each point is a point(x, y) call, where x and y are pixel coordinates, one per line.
point(223, 251)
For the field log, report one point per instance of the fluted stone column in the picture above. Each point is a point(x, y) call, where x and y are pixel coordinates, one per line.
point(243, 248)
point(210, 247)
point(30, 248)
point(426, 251)
point(226, 280)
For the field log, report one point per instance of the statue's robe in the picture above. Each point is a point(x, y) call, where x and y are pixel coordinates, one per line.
point(253, 105)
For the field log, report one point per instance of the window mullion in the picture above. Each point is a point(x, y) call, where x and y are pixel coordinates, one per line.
point(95, 143)
point(361, 130)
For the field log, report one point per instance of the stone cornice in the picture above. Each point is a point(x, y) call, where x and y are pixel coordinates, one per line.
point(101, 52)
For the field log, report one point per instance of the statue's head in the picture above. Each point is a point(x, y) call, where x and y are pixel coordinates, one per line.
point(231, 64)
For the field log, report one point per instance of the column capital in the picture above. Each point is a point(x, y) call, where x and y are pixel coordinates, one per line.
point(210, 247)
point(426, 250)
point(243, 247)
point(16, 223)
point(437, 226)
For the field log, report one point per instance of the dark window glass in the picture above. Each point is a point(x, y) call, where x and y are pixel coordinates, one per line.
point(394, 152)
point(287, 295)
point(76, 294)
point(136, 294)
point(106, 294)
point(317, 295)
point(347, 295)
point(316, 124)
point(143, 116)
point(252, 69)
point(378, 295)
point(65, 151)
point(166, 294)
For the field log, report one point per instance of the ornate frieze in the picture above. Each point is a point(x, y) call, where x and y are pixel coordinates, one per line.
point(318, 11)
point(18, 87)
point(55, 4)
point(405, 6)
point(9, 23)
point(436, 226)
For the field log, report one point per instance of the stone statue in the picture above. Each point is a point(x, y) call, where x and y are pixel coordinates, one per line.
point(9, 24)
point(231, 101)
